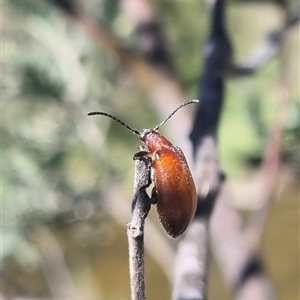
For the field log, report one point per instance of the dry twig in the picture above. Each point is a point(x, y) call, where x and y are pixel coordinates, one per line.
point(135, 230)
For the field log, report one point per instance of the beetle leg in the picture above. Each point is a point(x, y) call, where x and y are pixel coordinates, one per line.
point(140, 155)
point(148, 159)
point(143, 151)
point(153, 198)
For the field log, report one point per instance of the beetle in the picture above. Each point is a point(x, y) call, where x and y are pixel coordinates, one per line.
point(174, 190)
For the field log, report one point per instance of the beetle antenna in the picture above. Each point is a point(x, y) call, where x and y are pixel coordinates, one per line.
point(170, 115)
point(134, 131)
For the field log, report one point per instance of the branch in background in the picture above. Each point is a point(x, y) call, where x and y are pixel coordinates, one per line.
point(240, 263)
point(264, 52)
point(135, 230)
point(192, 257)
point(66, 5)
point(150, 40)
point(217, 54)
point(245, 273)
point(55, 270)
point(270, 168)
point(192, 265)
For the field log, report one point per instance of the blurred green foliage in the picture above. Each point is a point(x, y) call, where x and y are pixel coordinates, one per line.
point(57, 163)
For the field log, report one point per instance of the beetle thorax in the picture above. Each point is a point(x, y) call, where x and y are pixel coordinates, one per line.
point(154, 140)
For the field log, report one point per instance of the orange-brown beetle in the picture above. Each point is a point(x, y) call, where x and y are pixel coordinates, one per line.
point(174, 189)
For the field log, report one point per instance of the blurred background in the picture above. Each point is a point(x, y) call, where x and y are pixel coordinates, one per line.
point(67, 178)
